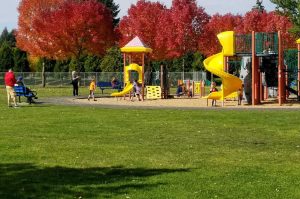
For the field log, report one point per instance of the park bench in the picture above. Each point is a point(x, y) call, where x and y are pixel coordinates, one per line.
point(107, 85)
point(22, 91)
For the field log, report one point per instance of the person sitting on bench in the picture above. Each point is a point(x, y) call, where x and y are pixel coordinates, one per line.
point(115, 84)
point(27, 90)
point(180, 90)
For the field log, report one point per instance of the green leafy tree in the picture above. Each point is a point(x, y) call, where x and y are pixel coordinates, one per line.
point(290, 8)
point(197, 64)
point(49, 65)
point(183, 63)
point(112, 61)
point(6, 57)
point(74, 66)
point(61, 66)
point(92, 63)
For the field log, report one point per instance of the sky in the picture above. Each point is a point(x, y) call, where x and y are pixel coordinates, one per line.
point(9, 13)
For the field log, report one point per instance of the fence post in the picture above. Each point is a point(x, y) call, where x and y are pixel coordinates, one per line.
point(84, 79)
point(43, 76)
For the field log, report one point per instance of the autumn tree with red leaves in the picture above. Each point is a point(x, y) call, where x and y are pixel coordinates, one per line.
point(69, 30)
point(27, 37)
point(255, 20)
point(142, 21)
point(258, 21)
point(209, 43)
point(169, 32)
point(281, 23)
point(188, 21)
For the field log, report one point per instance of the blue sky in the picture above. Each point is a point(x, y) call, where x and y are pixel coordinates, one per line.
point(9, 13)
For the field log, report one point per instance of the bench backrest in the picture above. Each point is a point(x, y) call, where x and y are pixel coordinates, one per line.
point(23, 91)
point(107, 84)
point(104, 84)
point(20, 89)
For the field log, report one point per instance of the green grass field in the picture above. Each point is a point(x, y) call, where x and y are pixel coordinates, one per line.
point(49, 151)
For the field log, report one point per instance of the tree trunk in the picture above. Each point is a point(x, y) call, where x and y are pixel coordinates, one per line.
point(183, 65)
point(79, 69)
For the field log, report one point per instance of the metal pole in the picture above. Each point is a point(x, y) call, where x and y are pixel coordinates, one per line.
point(143, 74)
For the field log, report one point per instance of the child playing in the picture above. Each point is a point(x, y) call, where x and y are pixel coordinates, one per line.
point(190, 92)
point(213, 89)
point(92, 89)
point(179, 90)
point(240, 95)
point(137, 89)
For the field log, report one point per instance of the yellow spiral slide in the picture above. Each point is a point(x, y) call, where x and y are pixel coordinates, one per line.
point(215, 64)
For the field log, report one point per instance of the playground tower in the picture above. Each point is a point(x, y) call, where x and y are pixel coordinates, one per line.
point(266, 65)
point(134, 55)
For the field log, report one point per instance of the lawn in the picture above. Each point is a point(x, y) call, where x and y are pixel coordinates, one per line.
point(49, 151)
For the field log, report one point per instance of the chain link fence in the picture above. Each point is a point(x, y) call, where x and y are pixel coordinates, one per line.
point(63, 79)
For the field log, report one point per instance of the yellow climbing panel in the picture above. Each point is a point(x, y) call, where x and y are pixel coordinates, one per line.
point(153, 92)
point(197, 88)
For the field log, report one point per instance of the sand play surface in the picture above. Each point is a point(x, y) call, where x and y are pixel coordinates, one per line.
point(190, 103)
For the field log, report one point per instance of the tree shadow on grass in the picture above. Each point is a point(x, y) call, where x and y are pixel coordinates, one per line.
point(29, 181)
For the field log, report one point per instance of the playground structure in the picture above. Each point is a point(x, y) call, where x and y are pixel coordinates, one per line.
point(260, 55)
point(215, 64)
point(134, 52)
point(262, 58)
point(296, 70)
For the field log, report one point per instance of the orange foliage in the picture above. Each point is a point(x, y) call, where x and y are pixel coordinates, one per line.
point(26, 35)
point(251, 21)
point(169, 32)
point(208, 43)
point(66, 29)
point(142, 21)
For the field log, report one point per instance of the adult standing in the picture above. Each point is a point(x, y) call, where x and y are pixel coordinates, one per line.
point(75, 80)
point(10, 81)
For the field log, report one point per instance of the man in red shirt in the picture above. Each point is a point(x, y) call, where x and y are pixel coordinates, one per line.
point(10, 81)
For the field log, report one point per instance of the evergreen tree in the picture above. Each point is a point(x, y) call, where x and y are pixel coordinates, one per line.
point(114, 9)
point(4, 36)
point(259, 6)
point(6, 57)
point(9, 37)
point(21, 63)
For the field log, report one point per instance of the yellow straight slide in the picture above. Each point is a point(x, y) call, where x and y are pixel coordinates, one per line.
point(126, 90)
point(215, 65)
